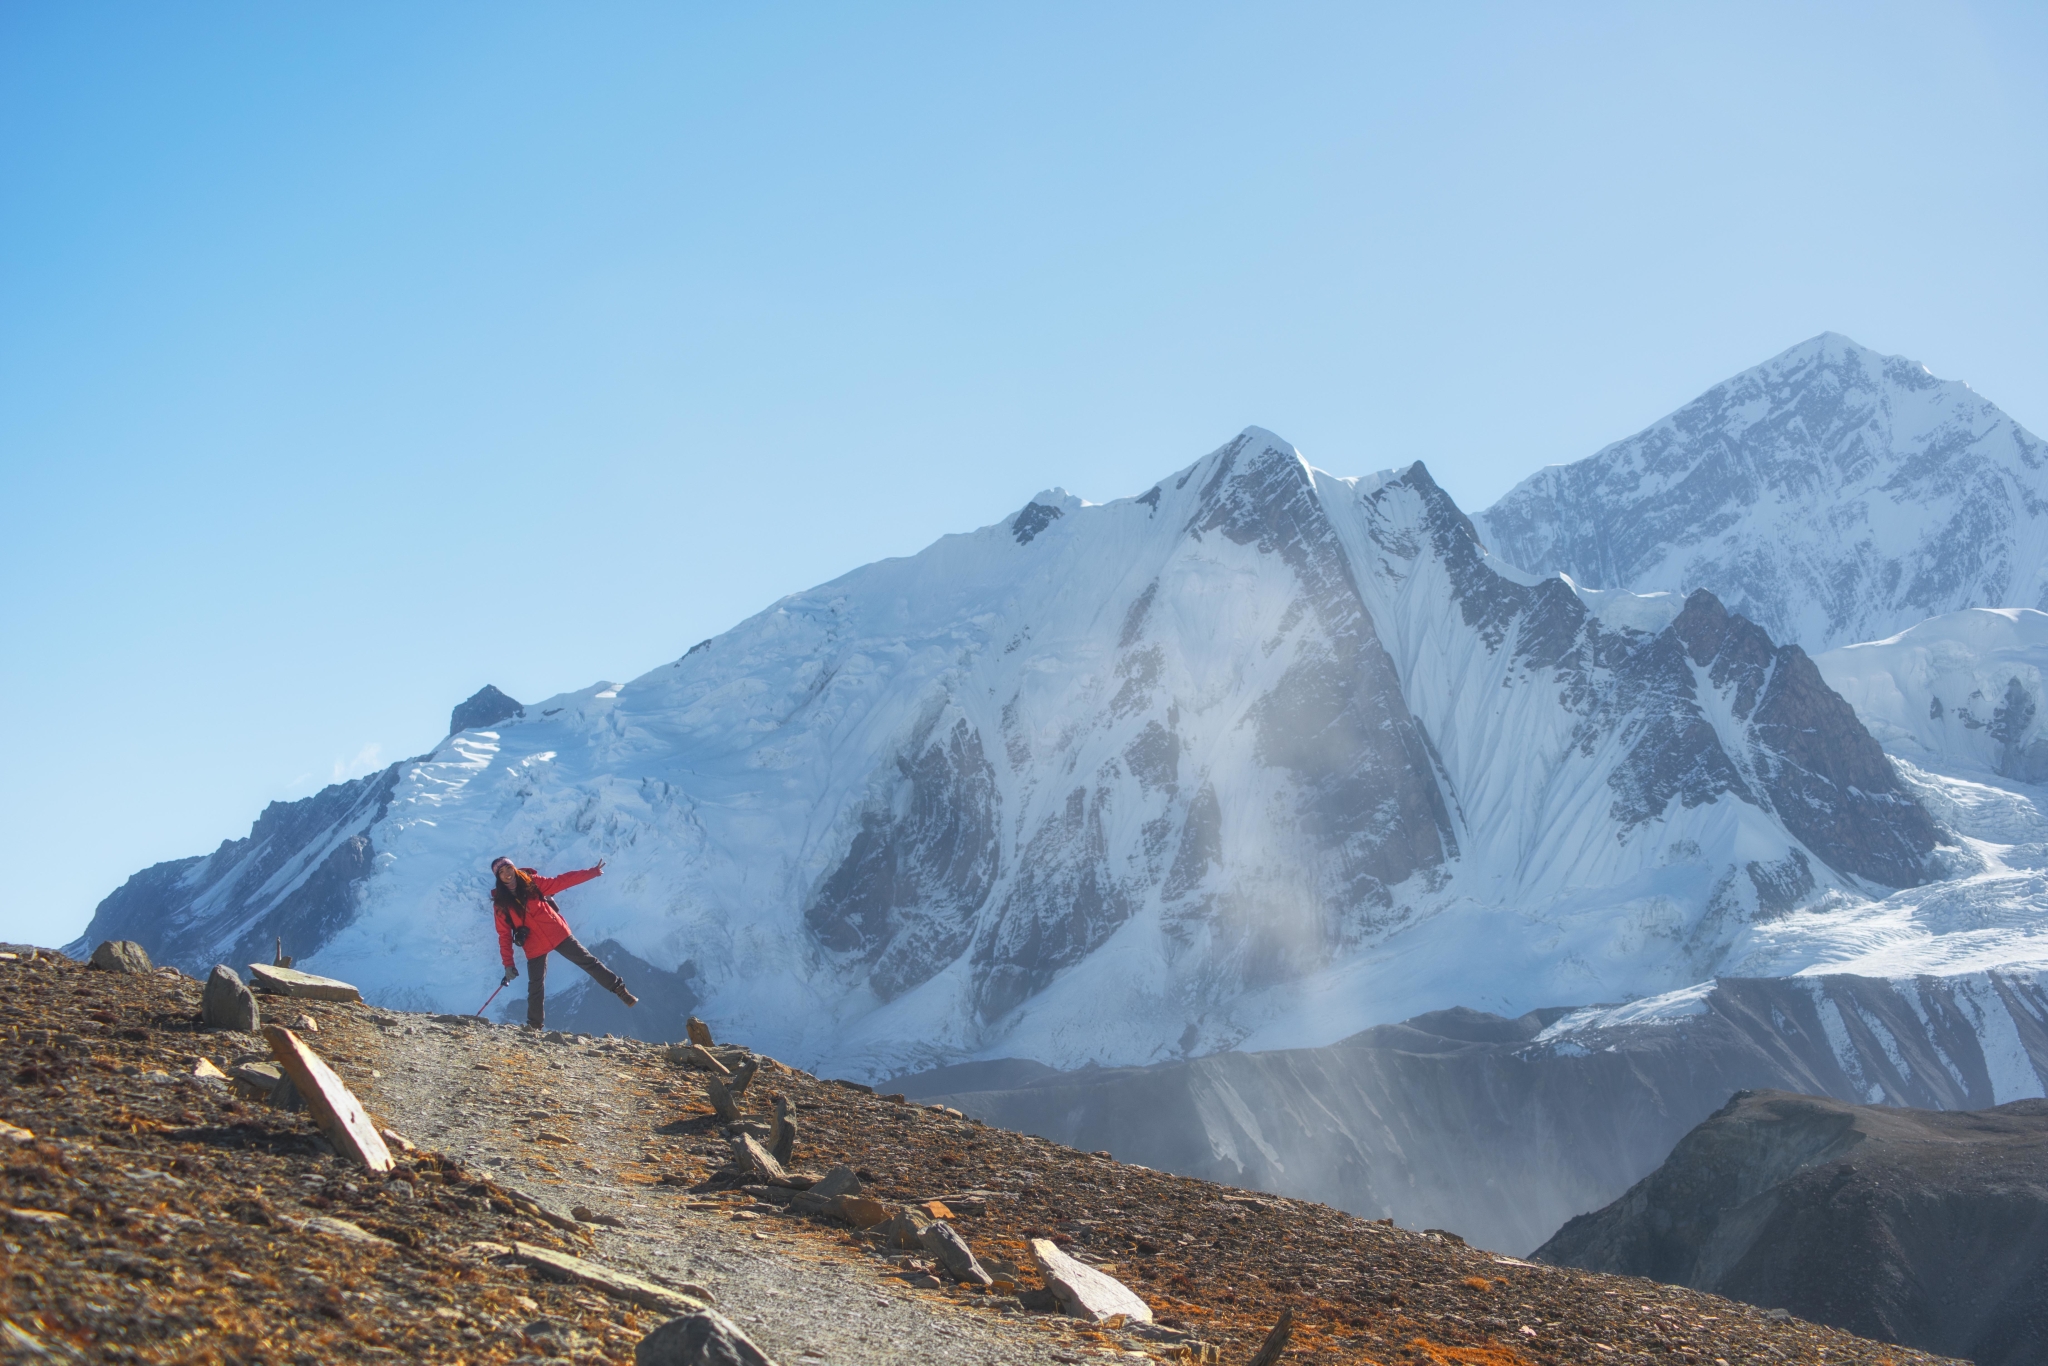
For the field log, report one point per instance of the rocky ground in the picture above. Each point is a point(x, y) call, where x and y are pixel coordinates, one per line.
point(152, 1216)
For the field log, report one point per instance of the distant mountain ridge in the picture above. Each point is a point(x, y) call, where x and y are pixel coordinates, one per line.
point(1502, 1130)
point(1831, 495)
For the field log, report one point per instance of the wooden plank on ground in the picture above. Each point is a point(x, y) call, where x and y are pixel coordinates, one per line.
point(333, 1106)
point(302, 985)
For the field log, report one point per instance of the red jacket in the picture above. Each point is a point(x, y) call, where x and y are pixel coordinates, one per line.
point(545, 928)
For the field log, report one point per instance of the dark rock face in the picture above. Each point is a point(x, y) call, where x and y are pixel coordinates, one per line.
point(1822, 773)
point(486, 707)
point(293, 877)
point(1337, 719)
point(1461, 1120)
point(1922, 1228)
point(1064, 902)
point(1035, 518)
point(904, 896)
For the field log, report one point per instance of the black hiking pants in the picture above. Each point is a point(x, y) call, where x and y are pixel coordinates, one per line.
point(537, 976)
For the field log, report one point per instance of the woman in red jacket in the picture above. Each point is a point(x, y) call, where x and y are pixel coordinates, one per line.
point(522, 904)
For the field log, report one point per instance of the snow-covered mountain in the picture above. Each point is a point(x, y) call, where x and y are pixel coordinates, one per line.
point(1260, 757)
point(1830, 495)
point(1964, 694)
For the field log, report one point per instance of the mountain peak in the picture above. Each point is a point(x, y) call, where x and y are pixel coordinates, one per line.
point(1831, 494)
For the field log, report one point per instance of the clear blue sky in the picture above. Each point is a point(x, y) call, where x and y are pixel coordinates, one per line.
point(352, 357)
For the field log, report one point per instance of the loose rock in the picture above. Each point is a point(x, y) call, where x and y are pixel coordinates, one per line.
point(839, 1181)
point(721, 1100)
point(862, 1211)
point(227, 1003)
point(122, 955)
point(906, 1229)
point(749, 1152)
point(942, 1242)
point(705, 1338)
point(1084, 1292)
point(14, 1133)
point(700, 1033)
point(783, 1145)
point(307, 1025)
point(205, 1070)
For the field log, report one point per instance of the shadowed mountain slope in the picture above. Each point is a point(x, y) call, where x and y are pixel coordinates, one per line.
point(1921, 1228)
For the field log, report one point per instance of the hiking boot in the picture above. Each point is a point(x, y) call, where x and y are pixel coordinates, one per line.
point(624, 995)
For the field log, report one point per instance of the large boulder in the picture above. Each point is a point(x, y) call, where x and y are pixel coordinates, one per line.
point(705, 1338)
point(228, 1003)
point(122, 955)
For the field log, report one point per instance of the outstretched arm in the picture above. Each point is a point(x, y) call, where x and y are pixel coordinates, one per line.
point(550, 885)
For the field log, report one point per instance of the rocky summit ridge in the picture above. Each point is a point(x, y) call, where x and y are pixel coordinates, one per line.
point(1260, 757)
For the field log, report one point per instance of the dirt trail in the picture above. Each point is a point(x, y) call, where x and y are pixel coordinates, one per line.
point(499, 1098)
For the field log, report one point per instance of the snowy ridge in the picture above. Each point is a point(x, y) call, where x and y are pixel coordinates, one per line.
point(1831, 495)
point(1262, 756)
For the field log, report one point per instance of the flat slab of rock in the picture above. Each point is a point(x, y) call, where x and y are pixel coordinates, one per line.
point(1084, 1292)
point(302, 985)
point(560, 1266)
point(705, 1338)
point(122, 955)
point(334, 1107)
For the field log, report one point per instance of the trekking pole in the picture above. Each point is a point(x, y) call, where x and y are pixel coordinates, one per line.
point(487, 1004)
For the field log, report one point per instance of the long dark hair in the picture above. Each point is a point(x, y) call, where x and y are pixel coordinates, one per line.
point(523, 890)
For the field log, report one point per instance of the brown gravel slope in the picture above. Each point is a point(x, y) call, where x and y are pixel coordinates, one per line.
point(132, 1158)
point(156, 1218)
